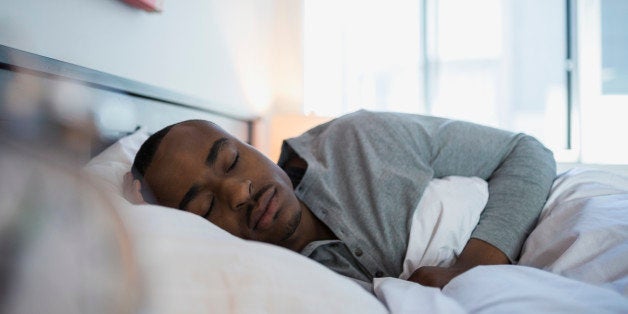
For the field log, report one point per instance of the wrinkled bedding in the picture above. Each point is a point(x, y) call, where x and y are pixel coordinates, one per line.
point(575, 260)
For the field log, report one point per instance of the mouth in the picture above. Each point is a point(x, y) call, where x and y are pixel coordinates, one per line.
point(265, 211)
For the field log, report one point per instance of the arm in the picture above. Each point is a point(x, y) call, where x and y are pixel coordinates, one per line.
point(519, 171)
point(518, 189)
point(475, 253)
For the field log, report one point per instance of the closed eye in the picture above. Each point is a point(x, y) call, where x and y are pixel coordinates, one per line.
point(209, 209)
point(234, 163)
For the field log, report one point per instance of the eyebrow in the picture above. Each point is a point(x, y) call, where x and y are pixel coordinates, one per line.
point(213, 152)
point(210, 161)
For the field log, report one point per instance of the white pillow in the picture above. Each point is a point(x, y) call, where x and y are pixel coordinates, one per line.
point(442, 224)
point(583, 230)
point(111, 164)
point(189, 265)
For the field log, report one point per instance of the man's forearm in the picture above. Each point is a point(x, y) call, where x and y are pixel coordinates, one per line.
point(478, 252)
point(475, 253)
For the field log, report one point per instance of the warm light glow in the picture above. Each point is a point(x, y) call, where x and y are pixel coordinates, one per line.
point(290, 125)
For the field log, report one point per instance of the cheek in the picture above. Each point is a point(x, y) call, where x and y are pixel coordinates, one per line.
point(261, 164)
point(229, 224)
point(279, 175)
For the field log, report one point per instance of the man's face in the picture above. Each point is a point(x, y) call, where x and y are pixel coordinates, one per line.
point(200, 168)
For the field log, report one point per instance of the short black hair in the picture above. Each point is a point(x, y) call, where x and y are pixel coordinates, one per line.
point(145, 154)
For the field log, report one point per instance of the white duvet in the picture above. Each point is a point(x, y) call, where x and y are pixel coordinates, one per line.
point(575, 260)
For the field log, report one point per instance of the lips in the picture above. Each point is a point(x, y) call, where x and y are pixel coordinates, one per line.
point(265, 207)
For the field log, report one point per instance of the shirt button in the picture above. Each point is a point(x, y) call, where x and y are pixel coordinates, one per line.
point(358, 252)
point(379, 273)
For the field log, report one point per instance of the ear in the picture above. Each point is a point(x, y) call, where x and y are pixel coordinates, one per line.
point(132, 189)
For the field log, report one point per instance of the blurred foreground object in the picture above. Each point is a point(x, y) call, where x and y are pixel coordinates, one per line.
point(63, 248)
point(47, 115)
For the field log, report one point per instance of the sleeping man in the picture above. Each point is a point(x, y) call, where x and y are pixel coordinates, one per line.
point(344, 192)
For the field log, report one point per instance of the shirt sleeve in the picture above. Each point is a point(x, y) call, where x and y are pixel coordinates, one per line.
point(519, 171)
point(518, 189)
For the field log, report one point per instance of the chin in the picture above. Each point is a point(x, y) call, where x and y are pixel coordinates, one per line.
point(291, 226)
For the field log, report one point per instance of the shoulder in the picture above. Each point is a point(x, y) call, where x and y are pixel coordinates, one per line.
point(363, 115)
point(366, 121)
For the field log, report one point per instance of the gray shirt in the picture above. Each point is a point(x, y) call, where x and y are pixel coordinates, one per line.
point(366, 173)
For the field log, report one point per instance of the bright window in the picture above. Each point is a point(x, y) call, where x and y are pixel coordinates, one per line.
point(503, 63)
point(361, 54)
point(602, 50)
point(555, 69)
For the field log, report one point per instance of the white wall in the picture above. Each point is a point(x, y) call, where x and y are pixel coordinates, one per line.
point(219, 50)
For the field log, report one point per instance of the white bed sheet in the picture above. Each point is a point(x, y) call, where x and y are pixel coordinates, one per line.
point(583, 230)
point(579, 251)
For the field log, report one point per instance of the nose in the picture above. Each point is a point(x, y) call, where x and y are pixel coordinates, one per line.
point(238, 192)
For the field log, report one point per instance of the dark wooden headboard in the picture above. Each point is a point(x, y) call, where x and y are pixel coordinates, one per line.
point(118, 105)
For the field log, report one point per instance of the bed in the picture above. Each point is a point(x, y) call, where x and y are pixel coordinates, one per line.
point(575, 260)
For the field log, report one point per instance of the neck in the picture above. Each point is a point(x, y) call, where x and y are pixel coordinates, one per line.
point(310, 229)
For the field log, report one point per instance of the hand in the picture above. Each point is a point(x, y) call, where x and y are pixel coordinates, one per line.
point(476, 252)
point(434, 276)
point(132, 189)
